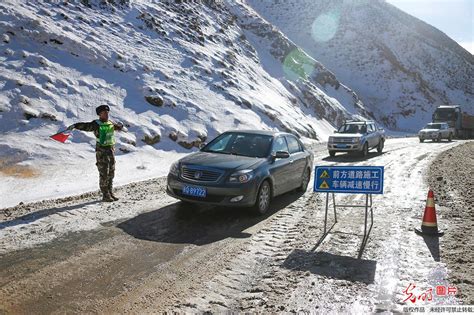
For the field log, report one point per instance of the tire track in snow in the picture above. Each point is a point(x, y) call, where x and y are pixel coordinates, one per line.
point(242, 285)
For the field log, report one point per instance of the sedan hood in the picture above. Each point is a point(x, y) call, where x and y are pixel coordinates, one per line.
point(222, 161)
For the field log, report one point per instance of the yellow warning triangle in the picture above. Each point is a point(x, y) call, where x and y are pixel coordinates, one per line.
point(324, 174)
point(324, 185)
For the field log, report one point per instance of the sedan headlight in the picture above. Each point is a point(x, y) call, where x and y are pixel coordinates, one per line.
point(242, 177)
point(174, 169)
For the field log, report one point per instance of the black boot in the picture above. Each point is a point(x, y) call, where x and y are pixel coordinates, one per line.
point(110, 191)
point(106, 197)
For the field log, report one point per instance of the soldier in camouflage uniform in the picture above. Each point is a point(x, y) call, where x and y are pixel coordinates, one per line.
point(103, 130)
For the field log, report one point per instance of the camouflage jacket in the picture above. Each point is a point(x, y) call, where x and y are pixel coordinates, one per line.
point(94, 127)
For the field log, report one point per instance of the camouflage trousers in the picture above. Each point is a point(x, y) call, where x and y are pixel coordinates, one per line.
point(106, 166)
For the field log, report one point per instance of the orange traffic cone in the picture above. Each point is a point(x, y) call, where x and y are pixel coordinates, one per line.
point(429, 225)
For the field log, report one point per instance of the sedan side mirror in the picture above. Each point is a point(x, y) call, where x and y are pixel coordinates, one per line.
point(281, 155)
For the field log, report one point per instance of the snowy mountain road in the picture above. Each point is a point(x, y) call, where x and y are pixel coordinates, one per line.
point(148, 253)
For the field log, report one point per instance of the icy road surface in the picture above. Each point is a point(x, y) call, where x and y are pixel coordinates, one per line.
point(145, 253)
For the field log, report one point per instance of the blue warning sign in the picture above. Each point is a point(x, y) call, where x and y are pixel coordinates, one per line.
point(349, 179)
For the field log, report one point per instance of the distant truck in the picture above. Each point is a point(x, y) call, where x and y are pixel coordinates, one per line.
point(461, 122)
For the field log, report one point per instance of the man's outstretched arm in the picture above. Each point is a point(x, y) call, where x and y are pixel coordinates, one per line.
point(84, 126)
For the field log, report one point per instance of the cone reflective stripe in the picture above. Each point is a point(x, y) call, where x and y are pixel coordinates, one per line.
point(60, 136)
point(429, 225)
point(429, 218)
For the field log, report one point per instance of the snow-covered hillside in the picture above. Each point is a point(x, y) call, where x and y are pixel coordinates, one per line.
point(401, 67)
point(175, 72)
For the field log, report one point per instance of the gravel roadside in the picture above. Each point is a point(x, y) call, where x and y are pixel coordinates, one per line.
point(451, 176)
point(131, 192)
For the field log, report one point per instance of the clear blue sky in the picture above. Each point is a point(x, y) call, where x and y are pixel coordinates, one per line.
point(453, 17)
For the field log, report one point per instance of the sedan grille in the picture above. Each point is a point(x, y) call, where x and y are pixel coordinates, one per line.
point(200, 175)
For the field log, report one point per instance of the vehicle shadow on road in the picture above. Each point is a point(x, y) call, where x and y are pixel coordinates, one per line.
point(346, 157)
point(31, 217)
point(198, 225)
point(332, 266)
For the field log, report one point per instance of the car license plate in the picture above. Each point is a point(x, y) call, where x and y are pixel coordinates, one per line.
point(194, 191)
point(341, 146)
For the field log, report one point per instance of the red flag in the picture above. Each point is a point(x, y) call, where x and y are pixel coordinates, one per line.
point(61, 137)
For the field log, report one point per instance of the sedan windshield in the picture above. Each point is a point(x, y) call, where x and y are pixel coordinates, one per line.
point(245, 144)
point(433, 126)
point(353, 128)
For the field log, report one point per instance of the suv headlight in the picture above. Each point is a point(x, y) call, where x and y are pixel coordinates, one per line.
point(355, 140)
point(242, 177)
point(174, 169)
point(331, 139)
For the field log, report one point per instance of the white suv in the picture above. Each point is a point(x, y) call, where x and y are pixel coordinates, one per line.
point(436, 132)
point(357, 137)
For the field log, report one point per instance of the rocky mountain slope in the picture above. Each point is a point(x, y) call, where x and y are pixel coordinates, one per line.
point(401, 67)
point(176, 73)
point(173, 71)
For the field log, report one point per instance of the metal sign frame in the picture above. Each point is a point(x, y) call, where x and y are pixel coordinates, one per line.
point(368, 206)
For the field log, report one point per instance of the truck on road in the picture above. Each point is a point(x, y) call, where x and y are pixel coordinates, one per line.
point(461, 122)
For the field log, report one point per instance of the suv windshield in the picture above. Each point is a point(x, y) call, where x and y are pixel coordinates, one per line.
point(353, 128)
point(433, 126)
point(245, 144)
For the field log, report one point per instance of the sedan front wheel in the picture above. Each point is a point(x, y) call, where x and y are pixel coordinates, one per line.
point(263, 198)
